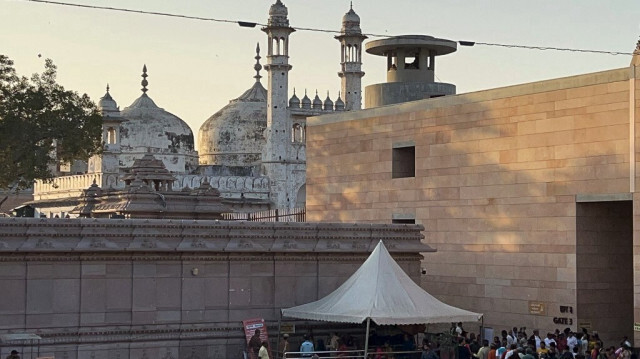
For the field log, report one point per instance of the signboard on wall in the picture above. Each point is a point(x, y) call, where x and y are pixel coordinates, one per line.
point(537, 308)
point(288, 328)
point(585, 325)
point(250, 326)
point(636, 327)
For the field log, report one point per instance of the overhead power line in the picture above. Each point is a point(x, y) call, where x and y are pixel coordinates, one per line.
point(254, 24)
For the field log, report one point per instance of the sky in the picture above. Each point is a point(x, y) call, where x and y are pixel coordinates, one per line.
point(196, 67)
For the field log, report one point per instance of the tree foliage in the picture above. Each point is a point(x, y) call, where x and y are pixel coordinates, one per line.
point(42, 125)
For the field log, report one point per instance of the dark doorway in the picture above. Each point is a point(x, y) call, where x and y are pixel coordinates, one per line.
point(604, 268)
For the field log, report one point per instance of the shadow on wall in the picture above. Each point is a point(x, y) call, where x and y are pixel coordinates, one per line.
point(495, 184)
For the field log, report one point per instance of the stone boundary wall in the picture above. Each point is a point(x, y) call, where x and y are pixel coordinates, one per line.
point(102, 289)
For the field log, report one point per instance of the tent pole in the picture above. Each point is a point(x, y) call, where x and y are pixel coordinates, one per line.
point(482, 329)
point(366, 339)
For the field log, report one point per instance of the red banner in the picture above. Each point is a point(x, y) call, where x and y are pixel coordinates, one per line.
point(254, 342)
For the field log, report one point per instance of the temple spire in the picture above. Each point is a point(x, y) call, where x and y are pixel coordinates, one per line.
point(107, 87)
point(144, 82)
point(257, 66)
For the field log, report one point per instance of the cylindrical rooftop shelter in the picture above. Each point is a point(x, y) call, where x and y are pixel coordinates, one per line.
point(411, 64)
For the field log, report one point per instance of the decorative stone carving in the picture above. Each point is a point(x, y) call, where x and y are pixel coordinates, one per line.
point(359, 245)
point(198, 243)
point(147, 243)
point(43, 243)
point(290, 244)
point(97, 243)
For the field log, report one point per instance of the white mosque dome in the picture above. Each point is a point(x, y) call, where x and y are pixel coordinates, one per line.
point(351, 22)
point(234, 136)
point(150, 129)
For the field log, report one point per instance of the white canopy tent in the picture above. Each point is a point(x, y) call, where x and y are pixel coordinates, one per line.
point(382, 292)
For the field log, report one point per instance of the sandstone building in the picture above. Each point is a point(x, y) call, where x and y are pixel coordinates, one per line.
point(527, 192)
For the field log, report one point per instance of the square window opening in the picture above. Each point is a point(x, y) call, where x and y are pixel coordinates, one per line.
point(404, 162)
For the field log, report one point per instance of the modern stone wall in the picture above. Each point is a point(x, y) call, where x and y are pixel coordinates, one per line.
point(102, 288)
point(498, 174)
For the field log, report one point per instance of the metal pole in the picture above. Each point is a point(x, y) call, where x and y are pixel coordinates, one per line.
point(366, 339)
point(279, 334)
point(482, 329)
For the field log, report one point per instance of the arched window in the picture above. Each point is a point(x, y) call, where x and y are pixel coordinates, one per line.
point(111, 136)
point(297, 133)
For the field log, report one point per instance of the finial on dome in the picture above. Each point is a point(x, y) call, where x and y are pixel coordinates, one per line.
point(257, 66)
point(144, 82)
point(107, 87)
point(351, 5)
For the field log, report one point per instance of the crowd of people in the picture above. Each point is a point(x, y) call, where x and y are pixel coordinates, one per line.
point(510, 344)
point(555, 345)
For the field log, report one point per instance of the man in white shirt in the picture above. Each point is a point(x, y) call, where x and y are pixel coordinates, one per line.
point(483, 353)
point(511, 352)
point(549, 339)
point(536, 336)
point(263, 353)
point(459, 329)
point(572, 341)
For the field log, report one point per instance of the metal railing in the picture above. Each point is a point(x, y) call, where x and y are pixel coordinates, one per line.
point(270, 215)
point(346, 354)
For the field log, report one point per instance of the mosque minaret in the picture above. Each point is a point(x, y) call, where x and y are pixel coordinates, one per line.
point(351, 73)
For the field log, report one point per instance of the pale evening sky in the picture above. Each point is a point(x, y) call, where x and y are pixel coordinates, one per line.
point(196, 67)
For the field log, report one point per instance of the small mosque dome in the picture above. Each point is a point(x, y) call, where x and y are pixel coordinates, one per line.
point(107, 104)
point(278, 15)
point(278, 9)
point(294, 101)
point(339, 104)
point(317, 102)
point(351, 22)
point(328, 104)
point(306, 101)
point(150, 128)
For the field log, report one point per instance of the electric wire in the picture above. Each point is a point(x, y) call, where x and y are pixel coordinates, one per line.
point(311, 29)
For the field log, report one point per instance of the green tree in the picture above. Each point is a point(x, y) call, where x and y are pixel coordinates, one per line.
point(42, 125)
